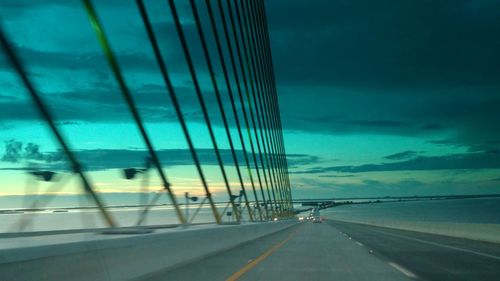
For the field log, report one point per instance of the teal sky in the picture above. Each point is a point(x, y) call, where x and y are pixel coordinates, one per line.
point(377, 98)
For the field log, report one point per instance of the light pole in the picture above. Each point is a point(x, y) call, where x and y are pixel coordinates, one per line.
point(188, 198)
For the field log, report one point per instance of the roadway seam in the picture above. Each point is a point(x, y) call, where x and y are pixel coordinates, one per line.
point(402, 270)
point(394, 265)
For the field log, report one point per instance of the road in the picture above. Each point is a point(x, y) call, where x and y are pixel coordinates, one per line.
point(337, 250)
point(428, 256)
point(304, 252)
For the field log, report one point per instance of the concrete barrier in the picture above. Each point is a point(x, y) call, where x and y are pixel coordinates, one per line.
point(120, 257)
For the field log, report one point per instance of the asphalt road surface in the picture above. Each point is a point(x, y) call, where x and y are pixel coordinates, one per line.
point(336, 250)
point(304, 252)
point(428, 256)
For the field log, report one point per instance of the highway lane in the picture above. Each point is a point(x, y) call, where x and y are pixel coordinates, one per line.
point(428, 256)
point(304, 252)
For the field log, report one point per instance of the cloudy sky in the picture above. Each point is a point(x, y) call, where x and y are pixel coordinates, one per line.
point(377, 98)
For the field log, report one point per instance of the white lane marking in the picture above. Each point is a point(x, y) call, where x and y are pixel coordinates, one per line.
point(403, 270)
point(439, 245)
point(359, 243)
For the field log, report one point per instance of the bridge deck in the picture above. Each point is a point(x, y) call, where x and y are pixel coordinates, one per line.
point(345, 251)
point(305, 252)
point(328, 251)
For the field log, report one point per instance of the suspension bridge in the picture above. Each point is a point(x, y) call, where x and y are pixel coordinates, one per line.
point(251, 234)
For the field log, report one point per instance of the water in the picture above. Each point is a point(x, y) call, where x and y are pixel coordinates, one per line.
point(477, 210)
point(64, 212)
point(11, 202)
point(474, 210)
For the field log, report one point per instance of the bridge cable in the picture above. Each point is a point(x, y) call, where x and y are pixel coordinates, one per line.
point(273, 113)
point(247, 95)
point(217, 92)
point(270, 114)
point(262, 98)
point(276, 103)
point(275, 96)
point(231, 97)
point(175, 101)
point(197, 86)
point(257, 74)
point(47, 116)
point(270, 134)
point(258, 82)
point(268, 204)
point(97, 26)
point(256, 125)
point(256, 66)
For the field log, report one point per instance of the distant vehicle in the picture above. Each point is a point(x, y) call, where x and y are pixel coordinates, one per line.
point(316, 217)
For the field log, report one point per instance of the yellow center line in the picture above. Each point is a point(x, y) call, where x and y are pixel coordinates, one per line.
point(259, 259)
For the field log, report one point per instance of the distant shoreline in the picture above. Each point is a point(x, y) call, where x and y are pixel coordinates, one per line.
point(295, 201)
point(404, 197)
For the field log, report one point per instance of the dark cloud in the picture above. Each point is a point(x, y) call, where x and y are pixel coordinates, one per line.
point(478, 160)
point(336, 176)
point(103, 101)
point(13, 151)
point(377, 123)
point(469, 119)
point(7, 98)
point(412, 183)
point(405, 187)
point(402, 155)
point(363, 43)
point(32, 152)
point(107, 104)
point(367, 67)
point(15, 6)
point(370, 182)
point(444, 142)
point(299, 160)
point(344, 124)
point(373, 188)
point(16, 151)
point(425, 69)
point(432, 126)
point(380, 61)
point(74, 60)
point(16, 169)
point(90, 59)
point(105, 159)
point(67, 123)
point(481, 146)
